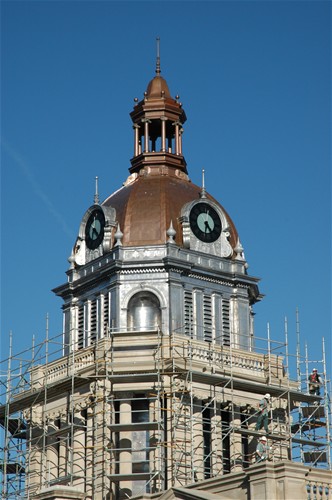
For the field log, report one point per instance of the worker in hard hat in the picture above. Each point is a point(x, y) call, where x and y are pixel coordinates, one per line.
point(315, 382)
point(262, 450)
point(263, 414)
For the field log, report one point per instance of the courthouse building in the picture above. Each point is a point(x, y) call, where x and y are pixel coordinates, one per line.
point(153, 388)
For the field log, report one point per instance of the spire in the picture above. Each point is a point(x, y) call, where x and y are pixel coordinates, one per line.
point(203, 192)
point(158, 70)
point(96, 196)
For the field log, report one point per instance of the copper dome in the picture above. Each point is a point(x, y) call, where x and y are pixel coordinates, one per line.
point(155, 194)
point(158, 87)
point(146, 207)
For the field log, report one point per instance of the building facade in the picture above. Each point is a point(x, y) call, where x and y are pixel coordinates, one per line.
point(155, 389)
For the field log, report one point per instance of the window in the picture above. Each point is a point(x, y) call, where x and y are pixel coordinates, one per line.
point(143, 312)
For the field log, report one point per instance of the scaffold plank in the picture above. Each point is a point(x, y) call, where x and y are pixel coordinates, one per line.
point(138, 426)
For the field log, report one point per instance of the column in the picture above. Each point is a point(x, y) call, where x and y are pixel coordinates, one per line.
point(177, 142)
point(216, 444)
point(63, 446)
point(101, 433)
point(198, 441)
point(51, 454)
point(180, 140)
point(35, 438)
point(156, 454)
point(236, 442)
point(89, 450)
point(125, 443)
point(163, 133)
point(136, 128)
point(79, 472)
point(146, 134)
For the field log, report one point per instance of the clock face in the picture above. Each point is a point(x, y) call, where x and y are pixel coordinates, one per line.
point(205, 222)
point(94, 229)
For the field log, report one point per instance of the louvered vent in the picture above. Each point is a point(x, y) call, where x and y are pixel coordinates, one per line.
point(207, 318)
point(106, 323)
point(80, 327)
point(93, 322)
point(225, 322)
point(188, 313)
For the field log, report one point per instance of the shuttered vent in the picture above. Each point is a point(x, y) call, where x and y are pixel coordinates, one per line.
point(106, 316)
point(93, 322)
point(225, 322)
point(80, 328)
point(207, 318)
point(188, 313)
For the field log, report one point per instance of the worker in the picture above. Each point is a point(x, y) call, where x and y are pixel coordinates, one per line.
point(263, 417)
point(315, 382)
point(262, 450)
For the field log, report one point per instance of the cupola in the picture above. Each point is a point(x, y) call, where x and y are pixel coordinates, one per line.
point(158, 126)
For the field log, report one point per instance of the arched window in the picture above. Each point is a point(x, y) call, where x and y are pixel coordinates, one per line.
point(144, 312)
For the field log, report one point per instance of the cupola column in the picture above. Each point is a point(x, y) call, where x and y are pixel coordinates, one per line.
point(146, 122)
point(163, 133)
point(180, 140)
point(136, 139)
point(177, 142)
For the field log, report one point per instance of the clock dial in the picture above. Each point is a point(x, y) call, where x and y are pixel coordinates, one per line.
point(205, 222)
point(94, 229)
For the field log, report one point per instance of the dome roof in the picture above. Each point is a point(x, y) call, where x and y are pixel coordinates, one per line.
point(154, 197)
point(146, 207)
point(158, 87)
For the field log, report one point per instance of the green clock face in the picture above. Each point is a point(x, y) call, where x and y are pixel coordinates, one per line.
point(94, 229)
point(205, 222)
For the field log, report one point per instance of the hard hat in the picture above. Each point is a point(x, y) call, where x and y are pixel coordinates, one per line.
point(263, 438)
point(314, 369)
point(267, 396)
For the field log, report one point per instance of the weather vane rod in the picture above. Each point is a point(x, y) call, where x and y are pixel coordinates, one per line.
point(158, 71)
point(203, 192)
point(96, 197)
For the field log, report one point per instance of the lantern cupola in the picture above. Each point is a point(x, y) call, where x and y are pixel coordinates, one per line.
point(158, 126)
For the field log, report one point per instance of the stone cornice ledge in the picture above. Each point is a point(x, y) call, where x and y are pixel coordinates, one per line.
point(60, 493)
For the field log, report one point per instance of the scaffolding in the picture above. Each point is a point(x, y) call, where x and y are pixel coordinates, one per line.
point(141, 411)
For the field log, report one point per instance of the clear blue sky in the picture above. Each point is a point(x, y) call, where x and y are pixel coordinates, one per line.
point(255, 81)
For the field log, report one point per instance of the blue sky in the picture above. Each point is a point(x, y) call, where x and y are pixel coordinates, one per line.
point(255, 82)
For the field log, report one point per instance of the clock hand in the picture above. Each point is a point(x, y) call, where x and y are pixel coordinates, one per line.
point(207, 226)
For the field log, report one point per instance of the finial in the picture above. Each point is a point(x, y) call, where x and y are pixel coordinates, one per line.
point(239, 250)
point(96, 197)
point(71, 260)
point(158, 71)
point(171, 233)
point(118, 236)
point(203, 192)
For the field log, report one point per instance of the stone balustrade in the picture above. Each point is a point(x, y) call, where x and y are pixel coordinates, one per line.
point(154, 349)
point(319, 490)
